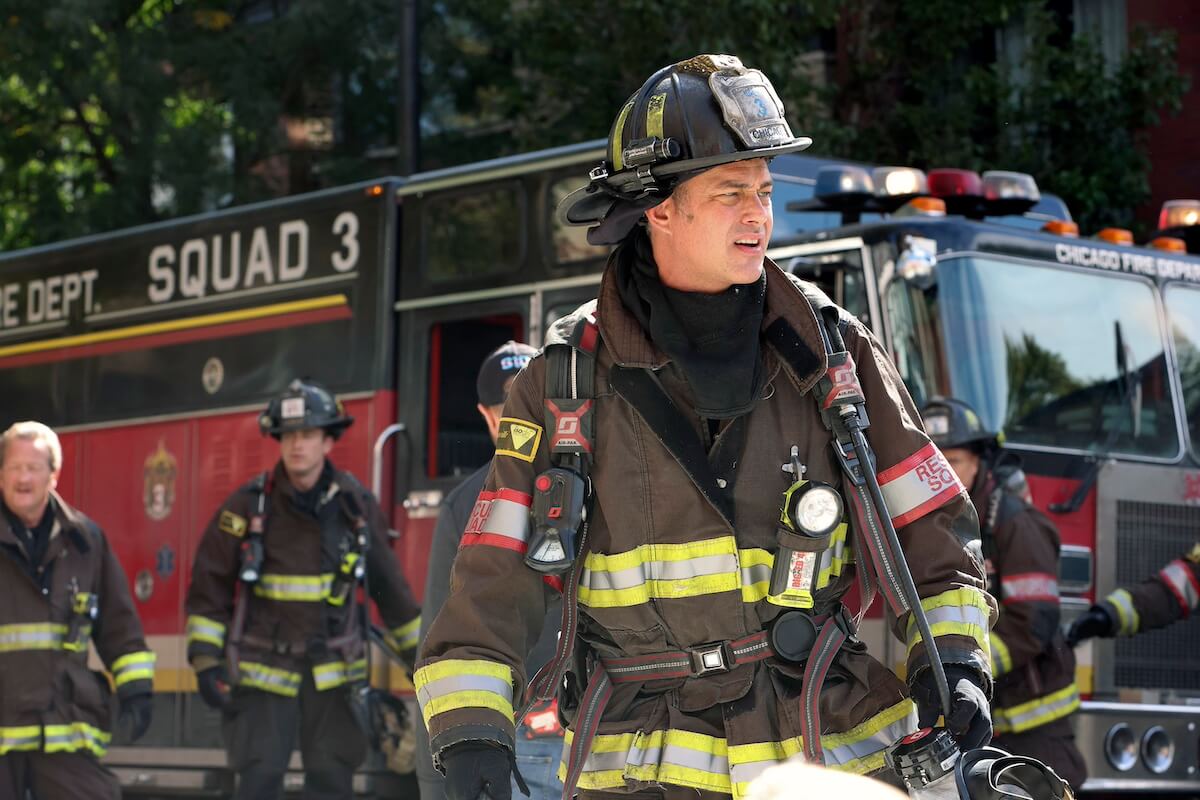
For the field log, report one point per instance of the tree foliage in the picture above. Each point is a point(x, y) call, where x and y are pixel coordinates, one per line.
point(119, 112)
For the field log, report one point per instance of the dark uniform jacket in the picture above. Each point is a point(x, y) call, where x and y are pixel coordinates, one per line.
point(1033, 667)
point(675, 561)
point(1172, 594)
point(452, 521)
point(49, 699)
point(291, 623)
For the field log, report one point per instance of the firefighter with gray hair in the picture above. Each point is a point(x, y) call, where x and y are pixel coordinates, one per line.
point(61, 591)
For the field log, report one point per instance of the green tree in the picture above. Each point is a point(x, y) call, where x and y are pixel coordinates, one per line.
point(923, 84)
point(119, 112)
point(1036, 378)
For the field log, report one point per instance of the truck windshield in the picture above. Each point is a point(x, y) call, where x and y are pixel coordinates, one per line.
point(1056, 357)
point(1183, 312)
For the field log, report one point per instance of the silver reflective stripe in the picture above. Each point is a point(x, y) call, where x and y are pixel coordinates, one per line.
point(464, 683)
point(659, 570)
point(953, 615)
point(271, 679)
point(300, 588)
point(31, 636)
point(1181, 579)
point(507, 518)
point(1037, 712)
point(757, 573)
point(678, 755)
point(21, 738)
point(873, 744)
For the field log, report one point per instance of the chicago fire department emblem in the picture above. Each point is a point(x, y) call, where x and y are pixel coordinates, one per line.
point(158, 482)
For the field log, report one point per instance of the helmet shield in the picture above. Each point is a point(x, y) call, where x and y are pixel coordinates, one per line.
point(688, 117)
point(304, 404)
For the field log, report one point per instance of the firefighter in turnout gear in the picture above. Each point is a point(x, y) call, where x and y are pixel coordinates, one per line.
point(1033, 666)
point(275, 628)
point(1172, 594)
point(665, 461)
point(62, 590)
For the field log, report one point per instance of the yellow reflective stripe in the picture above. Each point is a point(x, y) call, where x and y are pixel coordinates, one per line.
point(296, 588)
point(73, 737)
point(1036, 712)
point(133, 667)
point(20, 738)
point(203, 629)
point(407, 635)
point(455, 683)
point(32, 636)
point(660, 571)
point(336, 673)
point(1127, 614)
point(467, 699)
point(618, 156)
point(756, 566)
point(961, 612)
point(1001, 658)
point(270, 679)
point(698, 761)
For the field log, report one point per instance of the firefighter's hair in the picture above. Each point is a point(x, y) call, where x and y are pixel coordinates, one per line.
point(35, 432)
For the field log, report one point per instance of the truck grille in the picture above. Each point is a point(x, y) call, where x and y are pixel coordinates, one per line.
point(1148, 536)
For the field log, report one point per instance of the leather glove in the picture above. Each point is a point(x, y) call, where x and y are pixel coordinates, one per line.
point(136, 711)
point(970, 717)
point(477, 768)
point(1096, 621)
point(213, 684)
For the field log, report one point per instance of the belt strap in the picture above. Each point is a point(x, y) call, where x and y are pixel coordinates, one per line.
point(825, 650)
point(704, 659)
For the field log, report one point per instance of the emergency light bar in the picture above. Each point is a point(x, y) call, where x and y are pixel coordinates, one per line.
point(1170, 244)
point(899, 182)
point(947, 182)
point(1115, 236)
point(843, 186)
point(1062, 227)
point(1010, 192)
point(1179, 214)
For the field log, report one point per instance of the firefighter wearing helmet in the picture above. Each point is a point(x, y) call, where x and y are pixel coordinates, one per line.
point(665, 465)
point(1033, 666)
point(276, 626)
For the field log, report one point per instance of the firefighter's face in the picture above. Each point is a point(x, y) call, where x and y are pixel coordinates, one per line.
point(965, 463)
point(27, 478)
point(303, 452)
point(712, 232)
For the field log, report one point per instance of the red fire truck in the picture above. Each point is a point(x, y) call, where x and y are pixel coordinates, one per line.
point(151, 350)
point(1085, 352)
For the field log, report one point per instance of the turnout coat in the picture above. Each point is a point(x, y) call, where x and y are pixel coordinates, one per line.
point(681, 540)
point(291, 625)
point(50, 700)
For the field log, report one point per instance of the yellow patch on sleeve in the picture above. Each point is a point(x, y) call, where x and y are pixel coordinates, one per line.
point(232, 524)
point(518, 438)
point(1194, 556)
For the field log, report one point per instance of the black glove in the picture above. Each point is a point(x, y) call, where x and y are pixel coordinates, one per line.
point(477, 768)
point(136, 711)
point(214, 687)
point(1096, 621)
point(970, 717)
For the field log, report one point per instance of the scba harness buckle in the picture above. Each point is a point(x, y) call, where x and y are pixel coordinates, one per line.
point(711, 659)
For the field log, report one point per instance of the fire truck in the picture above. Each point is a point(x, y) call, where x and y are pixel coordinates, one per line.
point(1083, 351)
point(152, 350)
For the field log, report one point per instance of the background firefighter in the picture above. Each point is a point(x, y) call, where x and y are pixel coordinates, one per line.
point(61, 587)
point(1171, 595)
point(1032, 664)
point(539, 735)
point(287, 548)
point(687, 677)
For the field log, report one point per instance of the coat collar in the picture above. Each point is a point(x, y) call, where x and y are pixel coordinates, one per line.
point(631, 346)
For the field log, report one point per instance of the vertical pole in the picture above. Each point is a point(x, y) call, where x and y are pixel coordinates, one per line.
point(408, 106)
